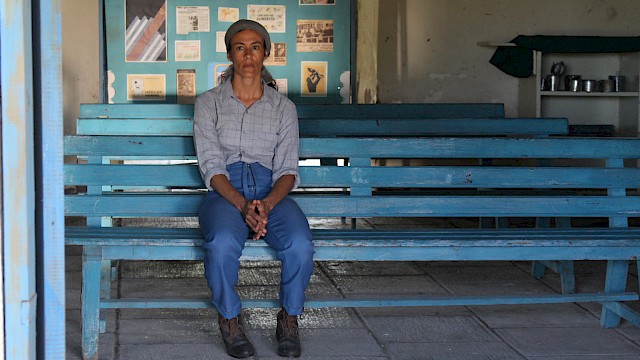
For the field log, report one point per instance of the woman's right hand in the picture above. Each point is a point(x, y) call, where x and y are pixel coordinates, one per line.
point(252, 217)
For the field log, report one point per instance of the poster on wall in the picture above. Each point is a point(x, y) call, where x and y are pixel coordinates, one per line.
point(313, 76)
point(187, 50)
point(283, 86)
point(272, 17)
point(192, 19)
point(145, 31)
point(186, 86)
point(227, 14)
point(278, 56)
point(146, 87)
point(314, 36)
point(220, 44)
point(214, 73)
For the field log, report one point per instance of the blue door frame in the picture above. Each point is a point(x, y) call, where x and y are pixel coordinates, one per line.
point(32, 186)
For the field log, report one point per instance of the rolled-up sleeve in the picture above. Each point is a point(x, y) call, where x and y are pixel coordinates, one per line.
point(286, 156)
point(211, 160)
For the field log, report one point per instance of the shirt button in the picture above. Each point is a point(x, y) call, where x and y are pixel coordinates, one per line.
point(244, 131)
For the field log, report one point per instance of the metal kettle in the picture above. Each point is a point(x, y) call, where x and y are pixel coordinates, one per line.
point(558, 68)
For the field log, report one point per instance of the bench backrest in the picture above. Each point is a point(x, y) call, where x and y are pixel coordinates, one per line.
point(588, 177)
point(307, 111)
point(332, 120)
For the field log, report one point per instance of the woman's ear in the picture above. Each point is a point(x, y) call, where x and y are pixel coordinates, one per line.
point(228, 56)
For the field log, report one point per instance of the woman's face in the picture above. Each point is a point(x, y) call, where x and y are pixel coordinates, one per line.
point(247, 53)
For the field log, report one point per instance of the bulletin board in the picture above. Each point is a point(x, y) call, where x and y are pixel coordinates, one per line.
point(170, 51)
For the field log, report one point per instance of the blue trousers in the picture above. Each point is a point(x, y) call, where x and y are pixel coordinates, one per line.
point(225, 233)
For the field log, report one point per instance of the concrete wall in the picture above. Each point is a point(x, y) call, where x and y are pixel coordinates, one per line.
point(427, 50)
point(80, 58)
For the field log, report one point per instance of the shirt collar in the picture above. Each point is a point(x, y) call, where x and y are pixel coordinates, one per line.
point(267, 94)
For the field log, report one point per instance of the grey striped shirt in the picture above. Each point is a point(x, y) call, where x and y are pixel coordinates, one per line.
point(225, 131)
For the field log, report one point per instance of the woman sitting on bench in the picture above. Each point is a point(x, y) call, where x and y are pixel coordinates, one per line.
point(246, 139)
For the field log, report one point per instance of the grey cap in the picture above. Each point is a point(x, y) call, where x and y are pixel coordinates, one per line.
point(244, 24)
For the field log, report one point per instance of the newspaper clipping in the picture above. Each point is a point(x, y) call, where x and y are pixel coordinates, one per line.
point(192, 19)
point(186, 86)
point(314, 36)
point(278, 56)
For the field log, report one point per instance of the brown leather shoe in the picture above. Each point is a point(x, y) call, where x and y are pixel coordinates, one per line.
point(235, 340)
point(287, 335)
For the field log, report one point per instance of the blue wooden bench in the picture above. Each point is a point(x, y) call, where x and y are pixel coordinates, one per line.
point(586, 177)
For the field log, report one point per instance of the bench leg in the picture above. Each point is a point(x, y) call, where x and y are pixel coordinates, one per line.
point(616, 281)
point(106, 276)
point(567, 277)
point(563, 267)
point(494, 222)
point(537, 269)
point(91, 273)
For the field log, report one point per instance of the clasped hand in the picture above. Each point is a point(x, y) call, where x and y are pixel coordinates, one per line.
point(256, 213)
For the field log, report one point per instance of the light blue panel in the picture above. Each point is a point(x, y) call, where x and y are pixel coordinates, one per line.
point(338, 61)
point(52, 294)
point(18, 194)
